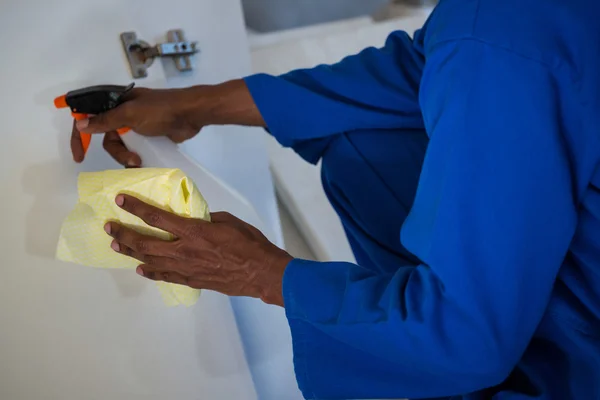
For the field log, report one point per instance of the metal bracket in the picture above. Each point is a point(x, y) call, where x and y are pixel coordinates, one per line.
point(141, 55)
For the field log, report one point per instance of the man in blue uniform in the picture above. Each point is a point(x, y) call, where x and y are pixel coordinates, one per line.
point(464, 165)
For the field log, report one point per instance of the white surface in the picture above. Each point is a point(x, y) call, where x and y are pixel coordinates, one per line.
point(298, 183)
point(294, 241)
point(258, 40)
point(70, 332)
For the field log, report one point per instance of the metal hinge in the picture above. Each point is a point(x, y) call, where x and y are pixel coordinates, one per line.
point(141, 55)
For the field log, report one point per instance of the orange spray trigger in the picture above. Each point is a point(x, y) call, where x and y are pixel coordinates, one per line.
point(79, 117)
point(61, 101)
point(93, 100)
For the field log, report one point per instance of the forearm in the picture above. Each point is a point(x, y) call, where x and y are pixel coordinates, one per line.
point(228, 103)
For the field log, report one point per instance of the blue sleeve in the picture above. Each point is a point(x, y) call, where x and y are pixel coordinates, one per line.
point(491, 223)
point(377, 88)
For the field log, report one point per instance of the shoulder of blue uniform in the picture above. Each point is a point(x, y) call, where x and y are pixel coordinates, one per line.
point(551, 32)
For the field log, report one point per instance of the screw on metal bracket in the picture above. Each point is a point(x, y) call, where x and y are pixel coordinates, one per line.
point(141, 55)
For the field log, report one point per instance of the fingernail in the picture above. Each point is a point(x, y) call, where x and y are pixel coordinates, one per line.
point(132, 163)
point(115, 245)
point(107, 228)
point(82, 124)
point(120, 200)
point(139, 271)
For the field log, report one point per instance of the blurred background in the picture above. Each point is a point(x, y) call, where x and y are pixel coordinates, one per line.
point(276, 15)
point(290, 34)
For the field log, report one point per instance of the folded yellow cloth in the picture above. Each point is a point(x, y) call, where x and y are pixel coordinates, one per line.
point(82, 237)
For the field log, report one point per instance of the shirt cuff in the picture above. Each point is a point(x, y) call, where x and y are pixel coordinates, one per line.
point(268, 93)
point(286, 109)
point(306, 296)
point(325, 367)
point(311, 289)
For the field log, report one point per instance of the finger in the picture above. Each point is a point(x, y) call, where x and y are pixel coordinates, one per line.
point(179, 137)
point(233, 221)
point(145, 258)
point(76, 145)
point(110, 120)
point(153, 216)
point(116, 148)
point(222, 216)
point(160, 274)
point(139, 243)
point(166, 263)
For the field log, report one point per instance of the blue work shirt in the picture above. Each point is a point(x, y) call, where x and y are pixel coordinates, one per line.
point(506, 219)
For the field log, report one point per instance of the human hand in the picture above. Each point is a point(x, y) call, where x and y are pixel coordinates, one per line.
point(226, 255)
point(150, 112)
point(178, 114)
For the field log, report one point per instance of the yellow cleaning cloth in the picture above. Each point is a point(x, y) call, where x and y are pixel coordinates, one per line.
point(82, 237)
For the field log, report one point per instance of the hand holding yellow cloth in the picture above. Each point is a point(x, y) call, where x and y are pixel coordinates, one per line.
point(82, 237)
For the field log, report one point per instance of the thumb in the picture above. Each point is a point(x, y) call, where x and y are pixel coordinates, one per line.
point(108, 121)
